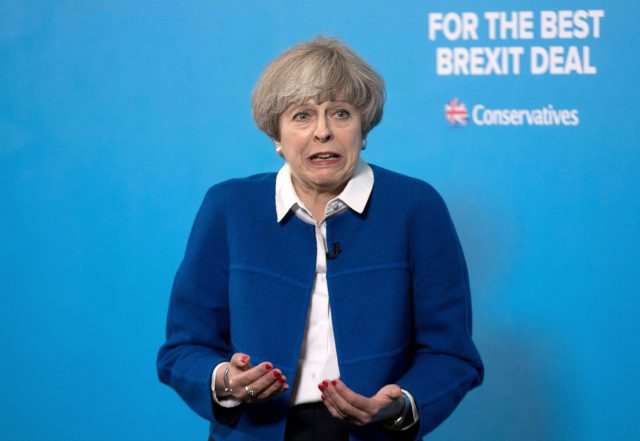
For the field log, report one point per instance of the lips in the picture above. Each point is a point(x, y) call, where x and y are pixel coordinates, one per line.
point(325, 156)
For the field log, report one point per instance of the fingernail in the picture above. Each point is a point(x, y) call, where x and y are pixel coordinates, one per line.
point(323, 398)
point(281, 380)
point(334, 382)
point(325, 383)
point(268, 366)
point(276, 374)
point(244, 358)
point(321, 387)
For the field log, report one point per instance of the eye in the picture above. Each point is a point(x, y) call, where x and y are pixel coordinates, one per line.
point(342, 114)
point(301, 116)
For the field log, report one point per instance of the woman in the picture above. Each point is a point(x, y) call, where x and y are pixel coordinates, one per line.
point(342, 310)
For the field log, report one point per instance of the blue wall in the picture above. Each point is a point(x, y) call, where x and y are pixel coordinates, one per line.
point(116, 116)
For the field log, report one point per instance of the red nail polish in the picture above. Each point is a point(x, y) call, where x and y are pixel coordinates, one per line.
point(276, 374)
point(323, 398)
point(325, 383)
point(334, 382)
point(281, 380)
point(321, 387)
point(268, 366)
point(244, 358)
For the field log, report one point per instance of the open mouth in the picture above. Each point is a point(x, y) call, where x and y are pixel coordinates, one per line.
point(325, 156)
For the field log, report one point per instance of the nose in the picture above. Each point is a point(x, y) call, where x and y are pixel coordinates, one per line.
point(323, 132)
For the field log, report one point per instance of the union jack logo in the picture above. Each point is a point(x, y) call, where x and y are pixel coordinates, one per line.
point(456, 112)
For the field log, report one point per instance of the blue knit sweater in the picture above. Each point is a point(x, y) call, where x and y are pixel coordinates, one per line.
point(399, 297)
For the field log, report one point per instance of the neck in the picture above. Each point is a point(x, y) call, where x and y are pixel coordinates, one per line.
point(316, 199)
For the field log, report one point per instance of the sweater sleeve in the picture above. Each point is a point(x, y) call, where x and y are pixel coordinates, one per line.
point(197, 332)
point(445, 363)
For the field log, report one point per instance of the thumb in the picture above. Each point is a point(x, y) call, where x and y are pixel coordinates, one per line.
point(392, 391)
point(240, 360)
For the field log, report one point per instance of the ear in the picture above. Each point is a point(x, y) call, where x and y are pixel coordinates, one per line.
point(278, 147)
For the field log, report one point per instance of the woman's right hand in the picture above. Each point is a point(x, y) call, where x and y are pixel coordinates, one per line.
point(249, 383)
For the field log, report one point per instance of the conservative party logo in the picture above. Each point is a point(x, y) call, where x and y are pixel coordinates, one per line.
point(456, 114)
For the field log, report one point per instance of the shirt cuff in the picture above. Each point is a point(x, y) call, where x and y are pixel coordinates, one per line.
point(412, 414)
point(227, 402)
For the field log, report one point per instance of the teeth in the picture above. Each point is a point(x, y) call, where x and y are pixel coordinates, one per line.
point(325, 156)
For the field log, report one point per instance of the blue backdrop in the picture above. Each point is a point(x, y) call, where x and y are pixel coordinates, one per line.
point(116, 116)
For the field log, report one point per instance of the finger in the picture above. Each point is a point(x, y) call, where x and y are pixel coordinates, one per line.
point(343, 406)
point(343, 409)
point(264, 382)
point(331, 408)
point(364, 404)
point(339, 414)
point(251, 375)
point(276, 388)
point(240, 360)
point(329, 400)
point(340, 393)
point(241, 379)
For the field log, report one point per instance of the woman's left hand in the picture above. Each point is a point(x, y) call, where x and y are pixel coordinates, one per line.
point(347, 405)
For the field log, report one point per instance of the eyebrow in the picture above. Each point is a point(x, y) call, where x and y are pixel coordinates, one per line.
point(306, 106)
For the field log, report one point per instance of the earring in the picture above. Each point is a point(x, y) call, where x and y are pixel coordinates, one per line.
point(364, 144)
point(279, 151)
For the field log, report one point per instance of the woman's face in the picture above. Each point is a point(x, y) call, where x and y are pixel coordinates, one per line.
point(321, 143)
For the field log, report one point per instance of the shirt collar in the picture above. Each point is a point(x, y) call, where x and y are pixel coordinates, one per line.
point(355, 194)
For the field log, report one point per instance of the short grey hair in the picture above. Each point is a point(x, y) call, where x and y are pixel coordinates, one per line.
point(322, 69)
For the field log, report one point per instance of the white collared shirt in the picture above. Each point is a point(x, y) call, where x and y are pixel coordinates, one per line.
point(318, 358)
